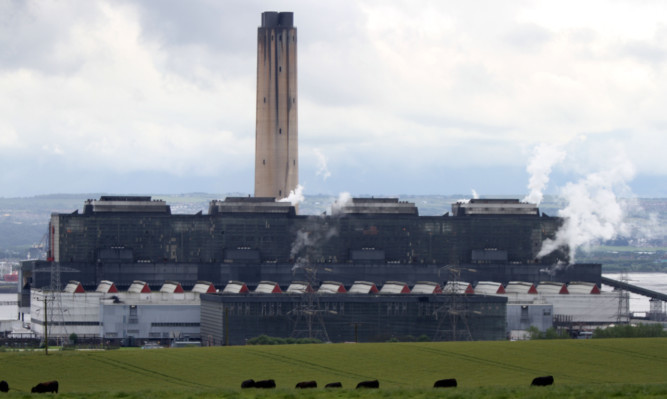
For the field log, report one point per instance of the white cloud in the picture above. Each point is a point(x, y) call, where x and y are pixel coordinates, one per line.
point(422, 86)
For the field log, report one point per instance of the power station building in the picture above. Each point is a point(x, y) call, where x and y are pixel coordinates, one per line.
point(255, 239)
point(251, 239)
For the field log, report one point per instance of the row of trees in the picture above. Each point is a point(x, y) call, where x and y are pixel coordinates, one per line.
point(620, 331)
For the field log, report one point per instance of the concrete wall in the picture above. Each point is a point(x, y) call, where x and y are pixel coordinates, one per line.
point(276, 141)
point(521, 316)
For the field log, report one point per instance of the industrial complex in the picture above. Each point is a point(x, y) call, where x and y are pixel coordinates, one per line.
point(126, 269)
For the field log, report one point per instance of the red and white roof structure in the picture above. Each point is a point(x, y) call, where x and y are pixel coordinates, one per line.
point(363, 287)
point(552, 288)
point(171, 287)
point(426, 287)
point(236, 287)
point(267, 287)
point(394, 287)
point(204, 287)
point(331, 287)
point(107, 287)
point(299, 287)
point(520, 287)
point(139, 287)
point(489, 288)
point(579, 287)
point(74, 287)
point(458, 287)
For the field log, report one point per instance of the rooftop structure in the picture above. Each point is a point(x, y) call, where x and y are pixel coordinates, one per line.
point(331, 287)
point(492, 206)
point(387, 206)
point(395, 287)
point(127, 204)
point(363, 287)
point(426, 287)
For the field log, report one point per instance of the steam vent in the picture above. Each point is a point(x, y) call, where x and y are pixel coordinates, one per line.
point(276, 140)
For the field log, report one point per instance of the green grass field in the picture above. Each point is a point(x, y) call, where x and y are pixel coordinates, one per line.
point(581, 368)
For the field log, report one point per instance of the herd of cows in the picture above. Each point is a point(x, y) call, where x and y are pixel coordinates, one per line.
point(444, 383)
point(52, 386)
point(42, 387)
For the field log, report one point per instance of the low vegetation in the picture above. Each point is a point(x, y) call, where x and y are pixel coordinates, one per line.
point(581, 368)
point(266, 340)
point(629, 331)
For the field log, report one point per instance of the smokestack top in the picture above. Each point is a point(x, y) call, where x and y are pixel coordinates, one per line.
point(273, 19)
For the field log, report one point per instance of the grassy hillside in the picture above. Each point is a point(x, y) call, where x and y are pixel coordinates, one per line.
point(491, 367)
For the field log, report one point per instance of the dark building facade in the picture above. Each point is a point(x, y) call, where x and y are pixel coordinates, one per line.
point(252, 239)
point(231, 319)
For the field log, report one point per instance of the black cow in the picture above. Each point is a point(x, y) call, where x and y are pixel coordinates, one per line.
point(248, 384)
point(543, 381)
point(306, 384)
point(43, 387)
point(4, 386)
point(265, 384)
point(369, 384)
point(334, 385)
point(446, 383)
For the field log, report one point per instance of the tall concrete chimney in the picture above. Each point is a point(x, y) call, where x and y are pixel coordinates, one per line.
point(276, 133)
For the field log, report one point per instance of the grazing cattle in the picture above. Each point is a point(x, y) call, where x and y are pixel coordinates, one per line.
point(334, 385)
point(306, 384)
point(43, 387)
point(446, 383)
point(248, 384)
point(4, 386)
point(369, 384)
point(265, 384)
point(543, 381)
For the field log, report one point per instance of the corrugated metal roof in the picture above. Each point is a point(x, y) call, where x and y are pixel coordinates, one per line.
point(395, 287)
point(204, 287)
point(489, 288)
point(363, 287)
point(107, 287)
point(299, 287)
point(580, 287)
point(331, 287)
point(74, 287)
point(171, 287)
point(520, 287)
point(426, 287)
point(458, 287)
point(267, 287)
point(139, 287)
point(235, 287)
point(552, 287)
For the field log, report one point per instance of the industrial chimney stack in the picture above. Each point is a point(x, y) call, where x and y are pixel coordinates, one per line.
point(276, 132)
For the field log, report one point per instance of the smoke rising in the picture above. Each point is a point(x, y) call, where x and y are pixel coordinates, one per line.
point(543, 159)
point(322, 168)
point(295, 196)
point(343, 200)
point(307, 246)
point(593, 212)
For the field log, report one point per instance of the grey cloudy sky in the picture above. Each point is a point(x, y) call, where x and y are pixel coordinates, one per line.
point(395, 97)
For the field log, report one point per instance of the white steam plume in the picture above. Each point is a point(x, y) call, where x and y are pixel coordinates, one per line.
point(474, 194)
point(343, 200)
point(543, 159)
point(295, 196)
point(593, 212)
point(322, 169)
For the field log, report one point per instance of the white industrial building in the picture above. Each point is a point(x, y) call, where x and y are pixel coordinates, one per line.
point(543, 305)
point(107, 314)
